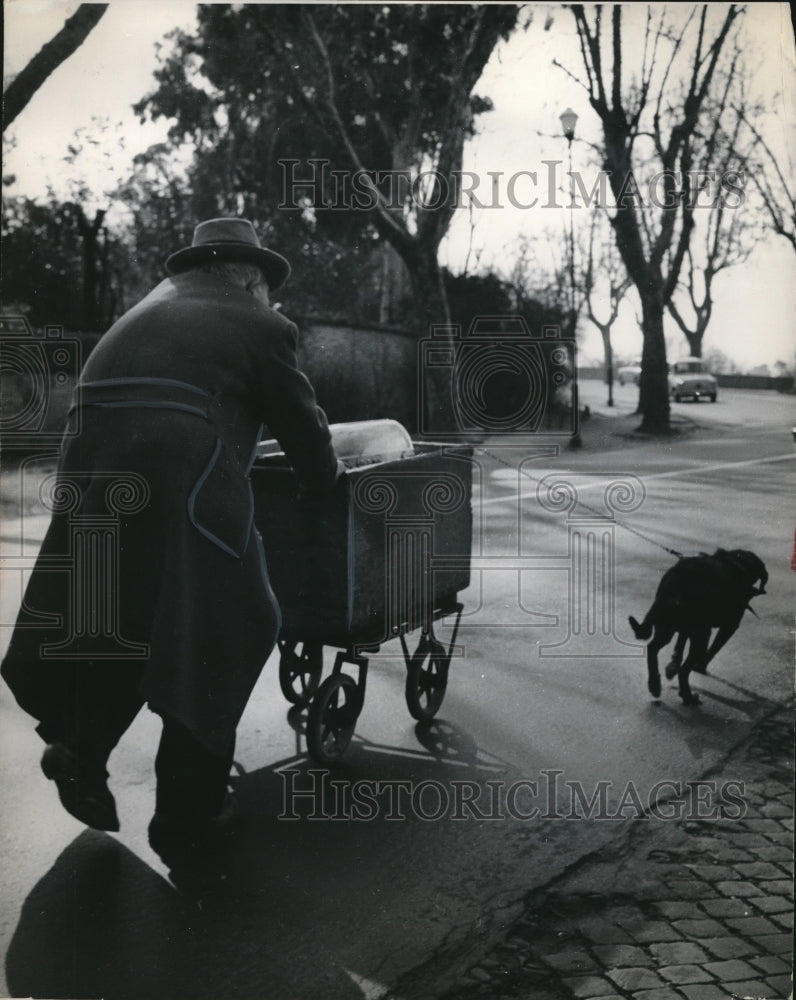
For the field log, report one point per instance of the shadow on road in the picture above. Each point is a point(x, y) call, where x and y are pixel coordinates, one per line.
point(704, 732)
point(101, 923)
point(306, 905)
point(322, 897)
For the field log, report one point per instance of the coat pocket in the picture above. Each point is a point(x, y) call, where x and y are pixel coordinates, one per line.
point(221, 504)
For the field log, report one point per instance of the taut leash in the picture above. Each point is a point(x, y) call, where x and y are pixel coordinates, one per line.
point(593, 510)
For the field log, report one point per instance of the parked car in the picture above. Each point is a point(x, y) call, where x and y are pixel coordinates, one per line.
point(629, 373)
point(690, 377)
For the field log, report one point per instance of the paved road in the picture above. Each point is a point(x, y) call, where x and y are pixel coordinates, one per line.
point(550, 690)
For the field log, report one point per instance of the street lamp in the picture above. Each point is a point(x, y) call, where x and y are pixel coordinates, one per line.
point(568, 120)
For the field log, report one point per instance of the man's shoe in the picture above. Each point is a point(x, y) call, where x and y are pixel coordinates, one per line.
point(82, 787)
point(176, 842)
point(195, 854)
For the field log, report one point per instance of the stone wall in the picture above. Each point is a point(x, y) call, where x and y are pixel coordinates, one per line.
point(360, 373)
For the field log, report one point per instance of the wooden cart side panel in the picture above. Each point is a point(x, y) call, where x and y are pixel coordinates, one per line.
point(406, 514)
point(358, 565)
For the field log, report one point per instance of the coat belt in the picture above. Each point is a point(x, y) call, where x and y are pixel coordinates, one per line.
point(152, 393)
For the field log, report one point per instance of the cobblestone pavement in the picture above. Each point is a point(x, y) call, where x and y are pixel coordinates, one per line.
point(700, 909)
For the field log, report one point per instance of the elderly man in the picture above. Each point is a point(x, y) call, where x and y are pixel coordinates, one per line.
point(168, 411)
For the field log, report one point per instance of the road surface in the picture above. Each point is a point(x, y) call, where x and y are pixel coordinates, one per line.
point(546, 743)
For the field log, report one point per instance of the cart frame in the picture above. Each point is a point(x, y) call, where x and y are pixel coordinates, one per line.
point(336, 703)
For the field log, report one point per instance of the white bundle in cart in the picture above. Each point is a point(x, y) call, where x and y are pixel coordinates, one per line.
point(362, 442)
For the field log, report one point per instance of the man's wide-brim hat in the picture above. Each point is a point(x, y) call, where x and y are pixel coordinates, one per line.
point(230, 239)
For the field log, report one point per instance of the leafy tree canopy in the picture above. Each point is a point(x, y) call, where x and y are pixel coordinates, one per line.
point(367, 88)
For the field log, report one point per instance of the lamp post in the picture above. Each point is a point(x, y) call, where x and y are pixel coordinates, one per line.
point(568, 120)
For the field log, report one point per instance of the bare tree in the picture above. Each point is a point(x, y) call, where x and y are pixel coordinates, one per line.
point(726, 230)
point(541, 271)
point(721, 249)
point(774, 187)
point(604, 270)
point(649, 119)
point(25, 84)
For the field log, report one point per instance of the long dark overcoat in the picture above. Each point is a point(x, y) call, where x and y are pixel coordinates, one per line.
point(151, 555)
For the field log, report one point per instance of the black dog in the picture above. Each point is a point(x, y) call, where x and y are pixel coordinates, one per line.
point(696, 595)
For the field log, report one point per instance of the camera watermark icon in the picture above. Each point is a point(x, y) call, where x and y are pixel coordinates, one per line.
point(36, 375)
point(501, 379)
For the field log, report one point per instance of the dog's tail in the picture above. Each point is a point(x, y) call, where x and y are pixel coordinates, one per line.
point(643, 630)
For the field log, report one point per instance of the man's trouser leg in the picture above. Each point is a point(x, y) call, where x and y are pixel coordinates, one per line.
point(85, 704)
point(89, 706)
point(191, 781)
point(102, 701)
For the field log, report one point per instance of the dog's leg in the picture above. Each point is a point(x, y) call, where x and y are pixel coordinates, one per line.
point(725, 633)
point(673, 667)
point(662, 637)
point(697, 651)
point(643, 630)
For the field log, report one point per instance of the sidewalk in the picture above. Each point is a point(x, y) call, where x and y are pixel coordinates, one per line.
point(691, 909)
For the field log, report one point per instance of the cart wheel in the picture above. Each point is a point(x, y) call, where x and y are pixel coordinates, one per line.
point(426, 680)
point(332, 718)
point(300, 673)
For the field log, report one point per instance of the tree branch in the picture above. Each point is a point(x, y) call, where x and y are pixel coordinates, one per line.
point(77, 28)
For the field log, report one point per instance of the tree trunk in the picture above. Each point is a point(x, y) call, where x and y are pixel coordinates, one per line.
point(694, 344)
point(431, 302)
point(653, 399)
point(105, 294)
point(394, 290)
point(89, 282)
point(435, 400)
point(89, 232)
point(605, 333)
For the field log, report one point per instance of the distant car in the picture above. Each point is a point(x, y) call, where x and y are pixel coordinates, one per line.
point(690, 377)
point(629, 373)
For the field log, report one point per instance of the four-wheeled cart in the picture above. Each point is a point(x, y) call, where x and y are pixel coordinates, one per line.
point(383, 556)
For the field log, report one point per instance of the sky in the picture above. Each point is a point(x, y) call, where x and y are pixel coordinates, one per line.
point(756, 303)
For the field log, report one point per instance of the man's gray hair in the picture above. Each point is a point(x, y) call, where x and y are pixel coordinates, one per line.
point(237, 272)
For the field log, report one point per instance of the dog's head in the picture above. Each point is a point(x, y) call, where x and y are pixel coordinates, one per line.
point(751, 567)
